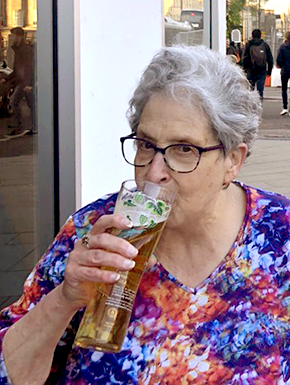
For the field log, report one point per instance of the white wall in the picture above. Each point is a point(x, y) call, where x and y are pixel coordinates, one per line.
point(219, 25)
point(117, 40)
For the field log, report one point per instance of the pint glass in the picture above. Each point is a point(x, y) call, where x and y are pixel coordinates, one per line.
point(105, 321)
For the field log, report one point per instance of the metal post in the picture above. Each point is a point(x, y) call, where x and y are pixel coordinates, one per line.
point(24, 8)
point(248, 21)
point(9, 9)
point(45, 117)
point(1, 26)
point(259, 14)
point(30, 15)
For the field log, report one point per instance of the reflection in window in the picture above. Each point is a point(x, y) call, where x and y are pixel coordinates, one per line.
point(18, 133)
point(183, 22)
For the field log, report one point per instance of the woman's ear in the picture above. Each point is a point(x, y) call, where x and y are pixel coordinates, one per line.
point(235, 160)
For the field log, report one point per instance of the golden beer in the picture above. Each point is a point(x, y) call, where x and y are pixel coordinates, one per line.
point(108, 315)
point(105, 321)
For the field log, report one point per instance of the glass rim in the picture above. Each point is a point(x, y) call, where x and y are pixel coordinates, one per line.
point(139, 185)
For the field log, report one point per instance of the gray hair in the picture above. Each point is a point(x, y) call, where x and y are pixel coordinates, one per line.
point(208, 79)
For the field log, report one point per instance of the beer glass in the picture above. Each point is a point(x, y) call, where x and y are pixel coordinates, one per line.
point(105, 321)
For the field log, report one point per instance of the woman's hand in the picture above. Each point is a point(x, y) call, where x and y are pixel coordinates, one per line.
point(85, 262)
point(29, 345)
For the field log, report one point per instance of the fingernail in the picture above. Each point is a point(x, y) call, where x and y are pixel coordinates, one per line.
point(132, 251)
point(127, 222)
point(115, 276)
point(127, 264)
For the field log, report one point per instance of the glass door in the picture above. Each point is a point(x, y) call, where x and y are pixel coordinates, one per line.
point(37, 132)
point(18, 145)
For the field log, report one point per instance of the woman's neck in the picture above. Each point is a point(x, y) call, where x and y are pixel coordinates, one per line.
point(196, 248)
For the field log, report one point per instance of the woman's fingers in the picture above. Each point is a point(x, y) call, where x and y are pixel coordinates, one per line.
point(94, 274)
point(103, 258)
point(98, 258)
point(94, 265)
point(111, 243)
point(107, 222)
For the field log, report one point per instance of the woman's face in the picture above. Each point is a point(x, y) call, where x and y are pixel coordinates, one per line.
point(165, 121)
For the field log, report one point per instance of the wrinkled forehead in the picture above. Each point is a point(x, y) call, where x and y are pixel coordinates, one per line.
point(165, 116)
point(187, 106)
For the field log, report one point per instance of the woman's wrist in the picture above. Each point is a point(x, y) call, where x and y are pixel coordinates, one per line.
point(64, 303)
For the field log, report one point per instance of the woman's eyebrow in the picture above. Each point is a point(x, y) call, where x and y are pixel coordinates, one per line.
point(178, 139)
point(144, 135)
point(184, 140)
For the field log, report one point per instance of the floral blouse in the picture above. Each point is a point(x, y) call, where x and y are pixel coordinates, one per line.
point(232, 329)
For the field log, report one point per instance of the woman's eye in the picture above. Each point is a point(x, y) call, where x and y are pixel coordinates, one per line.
point(145, 145)
point(185, 149)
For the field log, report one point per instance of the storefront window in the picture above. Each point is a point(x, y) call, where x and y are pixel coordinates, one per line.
point(18, 134)
point(184, 22)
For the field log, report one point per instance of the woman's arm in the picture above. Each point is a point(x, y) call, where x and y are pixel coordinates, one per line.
point(29, 344)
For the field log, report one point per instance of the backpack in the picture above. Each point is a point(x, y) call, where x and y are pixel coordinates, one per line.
point(258, 55)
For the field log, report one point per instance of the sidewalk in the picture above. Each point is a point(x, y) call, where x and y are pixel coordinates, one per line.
point(273, 125)
point(269, 166)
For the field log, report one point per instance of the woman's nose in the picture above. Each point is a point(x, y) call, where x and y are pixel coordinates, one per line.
point(157, 170)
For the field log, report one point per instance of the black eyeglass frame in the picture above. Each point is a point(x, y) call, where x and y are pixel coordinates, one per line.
point(200, 150)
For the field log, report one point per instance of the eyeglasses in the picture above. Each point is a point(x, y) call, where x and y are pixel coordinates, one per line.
point(182, 158)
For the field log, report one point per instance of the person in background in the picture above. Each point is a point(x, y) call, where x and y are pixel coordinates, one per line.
point(21, 80)
point(283, 62)
point(232, 49)
point(233, 52)
point(257, 61)
point(214, 308)
point(241, 52)
point(227, 43)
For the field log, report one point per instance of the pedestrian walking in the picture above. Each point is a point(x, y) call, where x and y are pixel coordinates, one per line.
point(283, 62)
point(257, 61)
point(21, 80)
point(233, 52)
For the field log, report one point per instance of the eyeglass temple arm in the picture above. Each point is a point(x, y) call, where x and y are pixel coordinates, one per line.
point(201, 149)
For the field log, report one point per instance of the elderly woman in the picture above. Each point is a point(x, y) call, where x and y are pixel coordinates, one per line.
point(214, 306)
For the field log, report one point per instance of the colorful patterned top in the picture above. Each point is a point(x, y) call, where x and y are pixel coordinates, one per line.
point(232, 329)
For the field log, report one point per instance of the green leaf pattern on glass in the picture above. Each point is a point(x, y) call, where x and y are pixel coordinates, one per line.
point(152, 224)
point(157, 208)
point(143, 219)
point(129, 203)
point(143, 211)
point(138, 198)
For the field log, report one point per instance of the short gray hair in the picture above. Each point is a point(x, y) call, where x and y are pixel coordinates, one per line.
point(200, 76)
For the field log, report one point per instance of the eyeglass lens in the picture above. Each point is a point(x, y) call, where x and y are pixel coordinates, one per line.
point(179, 157)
